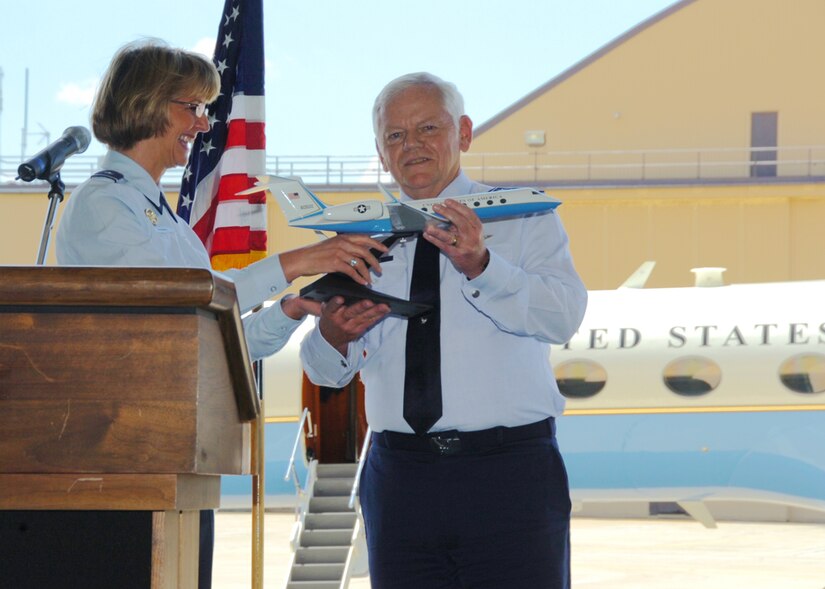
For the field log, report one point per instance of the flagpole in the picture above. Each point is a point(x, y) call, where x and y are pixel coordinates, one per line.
point(258, 505)
point(258, 487)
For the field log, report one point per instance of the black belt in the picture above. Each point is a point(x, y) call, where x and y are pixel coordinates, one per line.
point(454, 441)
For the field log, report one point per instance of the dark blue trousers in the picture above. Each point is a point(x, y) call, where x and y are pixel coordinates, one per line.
point(492, 519)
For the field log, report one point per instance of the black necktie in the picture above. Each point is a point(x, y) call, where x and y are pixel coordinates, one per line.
point(422, 381)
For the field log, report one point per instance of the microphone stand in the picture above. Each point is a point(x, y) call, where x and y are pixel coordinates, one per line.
point(55, 198)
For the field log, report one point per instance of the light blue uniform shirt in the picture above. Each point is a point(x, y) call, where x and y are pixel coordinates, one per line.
point(108, 223)
point(496, 330)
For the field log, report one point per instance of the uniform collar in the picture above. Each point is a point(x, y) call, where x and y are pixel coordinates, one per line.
point(134, 174)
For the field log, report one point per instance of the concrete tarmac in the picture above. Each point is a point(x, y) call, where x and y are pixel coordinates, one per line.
point(607, 554)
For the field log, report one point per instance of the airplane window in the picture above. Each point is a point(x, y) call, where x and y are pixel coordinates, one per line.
point(580, 379)
point(692, 376)
point(803, 373)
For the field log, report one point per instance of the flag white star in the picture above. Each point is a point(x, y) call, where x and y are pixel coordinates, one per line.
point(212, 119)
point(185, 201)
point(221, 66)
point(227, 40)
point(207, 147)
point(235, 13)
point(187, 173)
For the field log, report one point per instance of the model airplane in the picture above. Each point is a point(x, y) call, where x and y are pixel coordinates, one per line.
point(391, 217)
point(303, 209)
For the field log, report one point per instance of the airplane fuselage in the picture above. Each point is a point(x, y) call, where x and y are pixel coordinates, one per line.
point(695, 395)
point(304, 209)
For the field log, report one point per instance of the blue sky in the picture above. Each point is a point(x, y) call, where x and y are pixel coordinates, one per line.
point(326, 59)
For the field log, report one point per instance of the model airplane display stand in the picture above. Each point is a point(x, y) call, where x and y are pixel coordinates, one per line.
point(124, 394)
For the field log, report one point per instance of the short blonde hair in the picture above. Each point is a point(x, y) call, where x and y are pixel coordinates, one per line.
point(132, 100)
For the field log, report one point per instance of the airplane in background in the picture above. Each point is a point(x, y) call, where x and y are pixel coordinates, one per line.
point(710, 398)
point(695, 396)
point(304, 209)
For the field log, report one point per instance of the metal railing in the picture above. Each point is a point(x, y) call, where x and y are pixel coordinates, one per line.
point(647, 166)
point(291, 471)
point(361, 459)
point(537, 167)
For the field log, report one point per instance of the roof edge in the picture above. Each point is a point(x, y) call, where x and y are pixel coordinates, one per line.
point(580, 65)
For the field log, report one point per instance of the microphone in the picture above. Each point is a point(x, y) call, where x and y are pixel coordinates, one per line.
point(49, 161)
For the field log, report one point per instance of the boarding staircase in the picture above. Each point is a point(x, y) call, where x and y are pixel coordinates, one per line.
point(327, 538)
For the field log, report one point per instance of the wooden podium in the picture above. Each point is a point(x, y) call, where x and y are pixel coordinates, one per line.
point(124, 392)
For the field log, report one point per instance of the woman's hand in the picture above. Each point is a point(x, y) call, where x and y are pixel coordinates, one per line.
point(346, 253)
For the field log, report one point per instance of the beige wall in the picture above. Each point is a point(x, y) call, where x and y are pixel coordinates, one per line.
point(22, 216)
point(690, 80)
point(760, 233)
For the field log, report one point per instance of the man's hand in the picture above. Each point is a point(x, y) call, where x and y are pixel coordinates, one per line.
point(463, 240)
point(349, 254)
point(297, 308)
point(341, 324)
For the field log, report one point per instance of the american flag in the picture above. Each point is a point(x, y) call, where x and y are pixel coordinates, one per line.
point(227, 159)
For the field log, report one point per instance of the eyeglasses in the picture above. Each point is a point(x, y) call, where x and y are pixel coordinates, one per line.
point(197, 108)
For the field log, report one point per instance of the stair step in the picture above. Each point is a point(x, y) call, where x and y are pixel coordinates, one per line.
point(326, 538)
point(329, 504)
point(333, 487)
point(317, 572)
point(337, 470)
point(322, 554)
point(313, 585)
point(330, 521)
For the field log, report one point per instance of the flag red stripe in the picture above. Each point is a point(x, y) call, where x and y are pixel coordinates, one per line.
point(230, 184)
point(242, 133)
point(233, 240)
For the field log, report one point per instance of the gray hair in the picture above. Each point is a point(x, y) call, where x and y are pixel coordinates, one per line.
point(450, 96)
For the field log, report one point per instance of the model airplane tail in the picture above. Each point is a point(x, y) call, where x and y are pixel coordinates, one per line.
point(295, 199)
point(303, 209)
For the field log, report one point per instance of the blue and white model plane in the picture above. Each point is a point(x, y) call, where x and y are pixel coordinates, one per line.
point(304, 209)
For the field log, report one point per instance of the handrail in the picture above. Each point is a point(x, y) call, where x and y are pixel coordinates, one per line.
point(290, 469)
point(361, 459)
point(516, 166)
